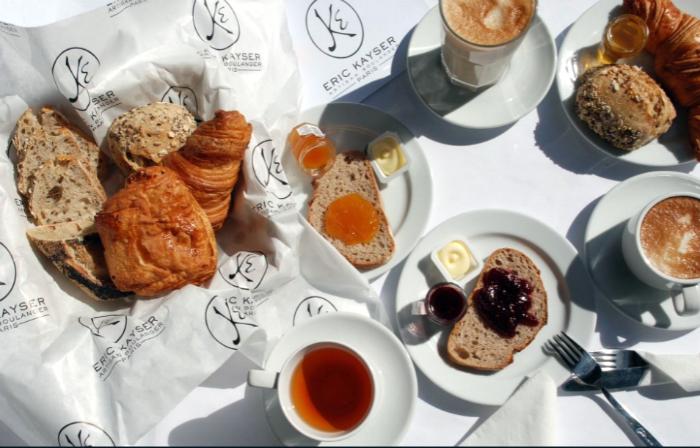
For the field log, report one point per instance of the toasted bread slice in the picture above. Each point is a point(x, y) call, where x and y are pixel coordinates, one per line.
point(472, 343)
point(76, 251)
point(352, 173)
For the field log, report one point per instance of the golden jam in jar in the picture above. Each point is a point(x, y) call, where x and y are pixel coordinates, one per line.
point(624, 37)
point(313, 150)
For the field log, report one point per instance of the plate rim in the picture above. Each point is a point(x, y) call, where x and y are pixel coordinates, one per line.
point(422, 191)
point(552, 75)
point(587, 237)
point(573, 121)
point(579, 316)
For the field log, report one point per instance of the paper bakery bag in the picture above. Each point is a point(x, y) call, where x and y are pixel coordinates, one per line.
point(77, 372)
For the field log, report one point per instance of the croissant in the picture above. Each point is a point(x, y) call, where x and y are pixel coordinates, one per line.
point(210, 161)
point(674, 39)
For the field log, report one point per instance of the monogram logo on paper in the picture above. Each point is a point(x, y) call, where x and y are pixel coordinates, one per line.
point(245, 270)
point(110, 327)
point(335, 28)
point(267, 167)
point(8, 272)
point(72, 71)
point(83, 434)
point(183, 96)
point(311, 307)
point(228, 326)
point(216, 23)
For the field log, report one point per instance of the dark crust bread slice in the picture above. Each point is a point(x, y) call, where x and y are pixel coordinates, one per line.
point(76, 251)
point(473, 344)
point(351, 172)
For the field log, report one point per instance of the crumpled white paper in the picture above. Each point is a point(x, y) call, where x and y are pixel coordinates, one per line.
point(76, 372)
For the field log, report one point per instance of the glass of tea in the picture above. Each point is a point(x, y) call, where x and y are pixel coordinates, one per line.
point(325, 390)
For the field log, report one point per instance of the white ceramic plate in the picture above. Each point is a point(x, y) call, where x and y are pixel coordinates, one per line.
point(672, 148)
point(396, 387)
point(407, 198)
point(569, 292)
point(533, 65)
point(603, 250)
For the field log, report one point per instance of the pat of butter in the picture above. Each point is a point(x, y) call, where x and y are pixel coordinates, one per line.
point(387, 154)
point(457, 259)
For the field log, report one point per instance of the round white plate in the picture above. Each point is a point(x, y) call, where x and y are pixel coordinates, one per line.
point(396, 388)
point(407, 198)
point(521, 89)
point(603, 250)
point(569, 291)
point(672, 148)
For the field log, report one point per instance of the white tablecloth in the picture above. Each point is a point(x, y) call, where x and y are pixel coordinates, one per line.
point(538, 166)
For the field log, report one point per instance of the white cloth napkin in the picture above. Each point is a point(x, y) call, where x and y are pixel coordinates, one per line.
point(684, 370)
point(529, 417)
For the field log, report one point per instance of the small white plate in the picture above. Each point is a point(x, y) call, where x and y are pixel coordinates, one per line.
point(603, 250)
point(582, 39)
point(396, 386)
point(569, 301)
point(521, 89)
point(407, 199)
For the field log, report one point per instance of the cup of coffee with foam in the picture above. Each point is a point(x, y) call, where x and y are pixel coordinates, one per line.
point(480, 37)
point(661, 245)
point(326, 390)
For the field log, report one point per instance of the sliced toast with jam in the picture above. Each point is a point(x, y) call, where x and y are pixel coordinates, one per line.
point(476, 343)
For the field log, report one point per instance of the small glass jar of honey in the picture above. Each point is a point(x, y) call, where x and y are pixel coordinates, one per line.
point(313, 150)
point(624, 37)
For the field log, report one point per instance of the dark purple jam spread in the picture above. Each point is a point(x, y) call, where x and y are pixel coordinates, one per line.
point(504, 301)
point(447, 302)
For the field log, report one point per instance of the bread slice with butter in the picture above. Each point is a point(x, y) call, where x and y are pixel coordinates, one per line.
point(351, 173)
point(472, 343)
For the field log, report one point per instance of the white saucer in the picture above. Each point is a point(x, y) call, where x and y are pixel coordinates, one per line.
point(569, 290)
point(582, 39)
point(407, 199)
point(603, 251)
point(521, 89)
point(396, 389)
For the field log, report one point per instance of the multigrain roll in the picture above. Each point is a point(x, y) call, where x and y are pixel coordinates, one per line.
point(145, 135)
point(623, 105)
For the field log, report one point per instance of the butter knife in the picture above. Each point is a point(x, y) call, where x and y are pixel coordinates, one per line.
point(615, 379)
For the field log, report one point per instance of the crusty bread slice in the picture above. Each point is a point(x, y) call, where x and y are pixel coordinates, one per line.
point(76, 251)
point(352, 173)
point(64, 190)
point(472, 343)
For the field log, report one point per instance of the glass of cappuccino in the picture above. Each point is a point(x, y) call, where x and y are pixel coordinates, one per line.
point(480, 37)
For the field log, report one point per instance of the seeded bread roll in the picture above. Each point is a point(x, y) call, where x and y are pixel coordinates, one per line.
point(623, 105)
point(145, 135)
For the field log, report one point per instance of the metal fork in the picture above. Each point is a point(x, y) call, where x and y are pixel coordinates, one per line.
point(582, 364)
point(611, 359)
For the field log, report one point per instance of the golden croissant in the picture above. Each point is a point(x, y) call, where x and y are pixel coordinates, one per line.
point(674, 39)
point(210, 161)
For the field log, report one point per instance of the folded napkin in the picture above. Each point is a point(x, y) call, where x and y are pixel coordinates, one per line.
point(529, 417)
point(683, 370)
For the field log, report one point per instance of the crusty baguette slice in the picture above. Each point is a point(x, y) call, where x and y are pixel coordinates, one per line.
point(352, 173)
point(64, 190)
point(76, 251)
point(473, 344)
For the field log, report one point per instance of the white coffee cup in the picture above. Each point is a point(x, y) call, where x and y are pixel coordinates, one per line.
point(686, 292)
point(281, 381)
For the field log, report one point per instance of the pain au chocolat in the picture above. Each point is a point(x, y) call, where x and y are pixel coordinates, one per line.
point(156, 236)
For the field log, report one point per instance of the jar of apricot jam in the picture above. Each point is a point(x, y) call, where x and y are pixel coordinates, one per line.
point(313, 150)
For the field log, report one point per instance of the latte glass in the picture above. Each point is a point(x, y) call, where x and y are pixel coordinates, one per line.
point(472, 65)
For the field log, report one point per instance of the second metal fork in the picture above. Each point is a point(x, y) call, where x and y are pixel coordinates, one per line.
point(582, 364)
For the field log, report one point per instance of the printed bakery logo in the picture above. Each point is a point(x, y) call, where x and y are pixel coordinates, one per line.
point(216, 23)
point(118, 338)
point(183, 96)
point(267, 167)
point(335, 28)
point(245, 270)
point(8, 272)
point(83, 434)
point(22, 312)
point(73, 70)
point(311, 307)
point(229, 320)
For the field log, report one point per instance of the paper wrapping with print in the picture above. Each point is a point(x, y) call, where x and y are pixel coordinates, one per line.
point(77, 372)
